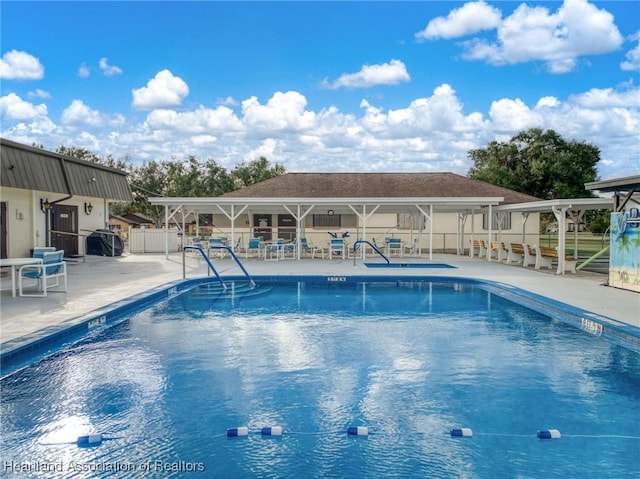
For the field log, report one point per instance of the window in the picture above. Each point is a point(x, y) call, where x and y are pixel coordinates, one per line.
point(506, 222)
point(411, 221)
point(326, 221)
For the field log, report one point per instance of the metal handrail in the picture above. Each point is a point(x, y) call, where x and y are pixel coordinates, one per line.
point(236, 259)
point(206, 258)
point(374, 247)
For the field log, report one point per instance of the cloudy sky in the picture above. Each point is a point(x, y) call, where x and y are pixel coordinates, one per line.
point(321, 86)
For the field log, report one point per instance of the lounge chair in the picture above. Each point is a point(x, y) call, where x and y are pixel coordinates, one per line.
point(274, 251)
point(336, 247)
point(394, 245)
point(308, 248)
point(253, 248)
point(412, 248)
point(52, 266)
point(212, 245)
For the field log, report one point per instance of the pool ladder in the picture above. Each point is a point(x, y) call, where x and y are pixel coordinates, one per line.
point(211, 267)
point(373, 247)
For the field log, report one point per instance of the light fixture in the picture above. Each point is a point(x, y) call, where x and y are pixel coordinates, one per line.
point(92, 179)
point(45, 205)
point(88, 208)
point(330, 212)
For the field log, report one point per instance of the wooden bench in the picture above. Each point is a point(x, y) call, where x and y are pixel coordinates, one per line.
point(479, 246)
point(529, 255)
point(516, 253)
point(500, 250)
point(546, 255)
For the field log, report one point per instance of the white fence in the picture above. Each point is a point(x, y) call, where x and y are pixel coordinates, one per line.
point(150, 240)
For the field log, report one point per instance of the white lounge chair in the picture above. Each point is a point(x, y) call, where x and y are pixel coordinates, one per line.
point(336, 247)
point(52, 266)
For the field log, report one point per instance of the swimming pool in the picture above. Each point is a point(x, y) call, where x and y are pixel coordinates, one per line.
point(409, 360)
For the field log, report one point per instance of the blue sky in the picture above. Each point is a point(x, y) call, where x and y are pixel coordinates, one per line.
point(321, 86)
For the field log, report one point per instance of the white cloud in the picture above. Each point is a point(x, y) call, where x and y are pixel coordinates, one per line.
point(632, 62)
point(471, 18)
point(560, 39)
point(431, 133)
point(200, 121)
point(79, 114)
point(16, 65)
point(163, 91)
point(390, 73)
point(38, 93)
point(283, 112)
point(84, 71)
point(14, 108)
point(109, 70)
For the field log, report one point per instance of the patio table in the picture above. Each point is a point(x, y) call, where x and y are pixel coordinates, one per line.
point(15, 264)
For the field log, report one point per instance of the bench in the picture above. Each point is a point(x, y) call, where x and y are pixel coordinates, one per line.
point(500, 250)
point(479, 246)
point(546, 255)
point(529, 255)
point(516, 253)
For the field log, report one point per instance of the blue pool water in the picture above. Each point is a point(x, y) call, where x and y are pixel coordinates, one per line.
point(409, 360)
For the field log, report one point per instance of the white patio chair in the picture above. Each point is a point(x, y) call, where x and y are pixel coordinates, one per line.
point(52, 266)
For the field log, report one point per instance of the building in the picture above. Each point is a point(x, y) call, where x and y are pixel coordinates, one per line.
point(48, 199)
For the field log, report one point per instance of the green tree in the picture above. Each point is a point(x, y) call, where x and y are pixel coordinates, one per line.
point(246, 174)
point(538, 163)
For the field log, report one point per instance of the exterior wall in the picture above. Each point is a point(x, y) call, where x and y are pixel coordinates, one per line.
point(26, 223)
point(624, 258)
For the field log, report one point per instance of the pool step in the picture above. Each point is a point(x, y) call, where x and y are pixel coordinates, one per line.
point(217, 291)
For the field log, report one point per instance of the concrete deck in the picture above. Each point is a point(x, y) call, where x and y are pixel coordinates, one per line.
point(100, 281)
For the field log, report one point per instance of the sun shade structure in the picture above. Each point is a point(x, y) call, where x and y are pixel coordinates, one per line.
point(361, 194)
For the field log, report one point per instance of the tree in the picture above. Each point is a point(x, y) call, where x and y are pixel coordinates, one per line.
point(246, 174)
point(538, 163)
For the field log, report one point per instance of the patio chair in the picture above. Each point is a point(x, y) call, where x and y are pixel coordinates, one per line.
point(308, 248)
point(52, 266)
point(412, 248)
point(274, 251)
point(211, 245)
point(38, 251)
point(336, 247)
point(253, 248)
point(394, 245)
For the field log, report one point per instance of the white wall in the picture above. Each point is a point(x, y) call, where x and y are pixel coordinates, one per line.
point(26, 223)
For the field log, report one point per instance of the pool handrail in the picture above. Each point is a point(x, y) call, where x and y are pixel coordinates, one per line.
point(231, 253)
point(237, 260)
point(373, 247)
point(206, 258)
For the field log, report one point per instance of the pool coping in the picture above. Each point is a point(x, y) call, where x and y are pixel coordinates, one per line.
point(26, 350)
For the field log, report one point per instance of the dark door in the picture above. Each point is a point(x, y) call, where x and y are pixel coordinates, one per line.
point(262, 227)
point(286, 227)
point(3, 229)
point(64, 219)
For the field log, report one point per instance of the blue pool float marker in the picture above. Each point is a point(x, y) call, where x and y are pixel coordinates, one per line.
point(92, 440)
point(271, 431)
point(549, 434)
point(462, 432)
point(238, 431)
point(358, 431)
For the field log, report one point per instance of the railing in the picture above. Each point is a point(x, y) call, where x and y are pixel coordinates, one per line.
point(373, 247)
point(85, 236)
point(206, 257)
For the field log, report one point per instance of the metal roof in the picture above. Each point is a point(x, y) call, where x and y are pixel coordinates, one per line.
point(30, 168)
point(627, 183)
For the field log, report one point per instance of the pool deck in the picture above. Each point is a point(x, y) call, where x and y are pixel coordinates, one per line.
point(100, 281)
